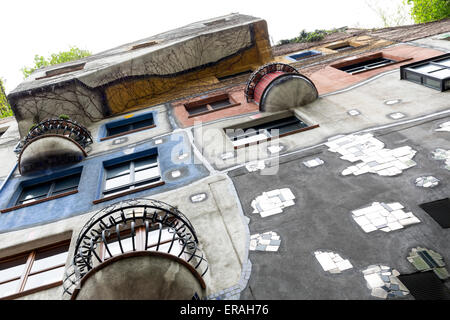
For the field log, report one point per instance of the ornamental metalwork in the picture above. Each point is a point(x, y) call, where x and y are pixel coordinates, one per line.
point(67, 128)
point(109, 224)
point(257, 75)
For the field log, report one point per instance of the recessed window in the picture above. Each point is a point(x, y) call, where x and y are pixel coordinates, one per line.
point(433, 73)
point(48, 189)
point(67, 69)
point(439, 210)
point(262, 132)
point(340, 46)
point(365, 64)
point(129, 125)
point(33, 271)
point(210, 104)
point(304, 55)
point(131, 175)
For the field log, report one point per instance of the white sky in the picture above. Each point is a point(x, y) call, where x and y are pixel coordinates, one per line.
point(49, 26)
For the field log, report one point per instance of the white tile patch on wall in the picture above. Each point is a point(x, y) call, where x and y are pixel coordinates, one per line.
point(332, 262)
point(273, 202)
point(255, 165)
point(442, 154)
point(385, 217)
point(444, 127)
point(370, 156)
point(383, 282)
point(426, 182)
point(268, 241)
point(313, 162)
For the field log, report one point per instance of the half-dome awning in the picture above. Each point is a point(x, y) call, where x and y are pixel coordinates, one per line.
point(277, 86)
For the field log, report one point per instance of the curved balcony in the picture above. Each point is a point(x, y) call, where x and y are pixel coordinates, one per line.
point(52, 142)
point(278, 86)
point(137, 249)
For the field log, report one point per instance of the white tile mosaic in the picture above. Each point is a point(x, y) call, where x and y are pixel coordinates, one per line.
point(383, 282)
point(370, 156)
point(273, 202)
point(268, 241)
point(385, 217)
point(426, 182)
point(442, 154)
point(313, 162)
point(444, 127)
point(255, 165)
point(332, 262)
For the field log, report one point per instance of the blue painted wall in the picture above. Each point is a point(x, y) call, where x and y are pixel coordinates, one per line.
point(90, 186)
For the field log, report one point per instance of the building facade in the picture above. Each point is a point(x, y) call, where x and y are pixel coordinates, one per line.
point(139, 172)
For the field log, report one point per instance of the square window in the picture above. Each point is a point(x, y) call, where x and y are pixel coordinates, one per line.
point(35, 270)
point(48, 189)
point(129, 125)
point(210, 104)
point(132, 174)
point(439, 210)
point(432, 72)
point(265, 131)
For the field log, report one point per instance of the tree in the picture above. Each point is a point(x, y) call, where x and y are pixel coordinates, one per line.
point(73, 53)
point(5, 108)
point(429, 10)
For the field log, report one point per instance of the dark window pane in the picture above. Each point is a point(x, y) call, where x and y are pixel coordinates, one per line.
point(220, 104)
point(196, 110)
point(413, 77)
point(366, 65)
point(66, 184)
point(33, 193)
point(142, 124)
point(118, 130)
point(432, 83)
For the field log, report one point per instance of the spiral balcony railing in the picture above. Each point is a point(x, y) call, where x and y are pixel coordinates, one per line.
point(258, 74)
point(110, 223)
point(52, 142)
point(68, 128)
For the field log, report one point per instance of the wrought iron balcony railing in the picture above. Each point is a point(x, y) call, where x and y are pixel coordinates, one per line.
point(67, 128)
point(133, 225)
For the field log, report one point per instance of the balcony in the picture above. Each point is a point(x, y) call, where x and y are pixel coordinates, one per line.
point(51, 143)
point(278, 86)
point(137, 249)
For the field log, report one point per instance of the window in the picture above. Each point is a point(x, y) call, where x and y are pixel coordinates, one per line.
point(242, 137)
point(210, 104)
point(305, 54)
point(131, 175)
point(67, 69)
point(365, 65)
point(33, 271)
point(439, 210)
point(433, 73)
point(162, 240)
point(49, 189)
point(340, 46)
point(129, 125)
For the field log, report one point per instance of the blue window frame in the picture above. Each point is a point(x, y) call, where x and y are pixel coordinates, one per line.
point(129, 125)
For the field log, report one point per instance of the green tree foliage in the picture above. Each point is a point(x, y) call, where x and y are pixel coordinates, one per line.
point(5, 108)
point(73, 53)
point(313, 36)
point(429, 10)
